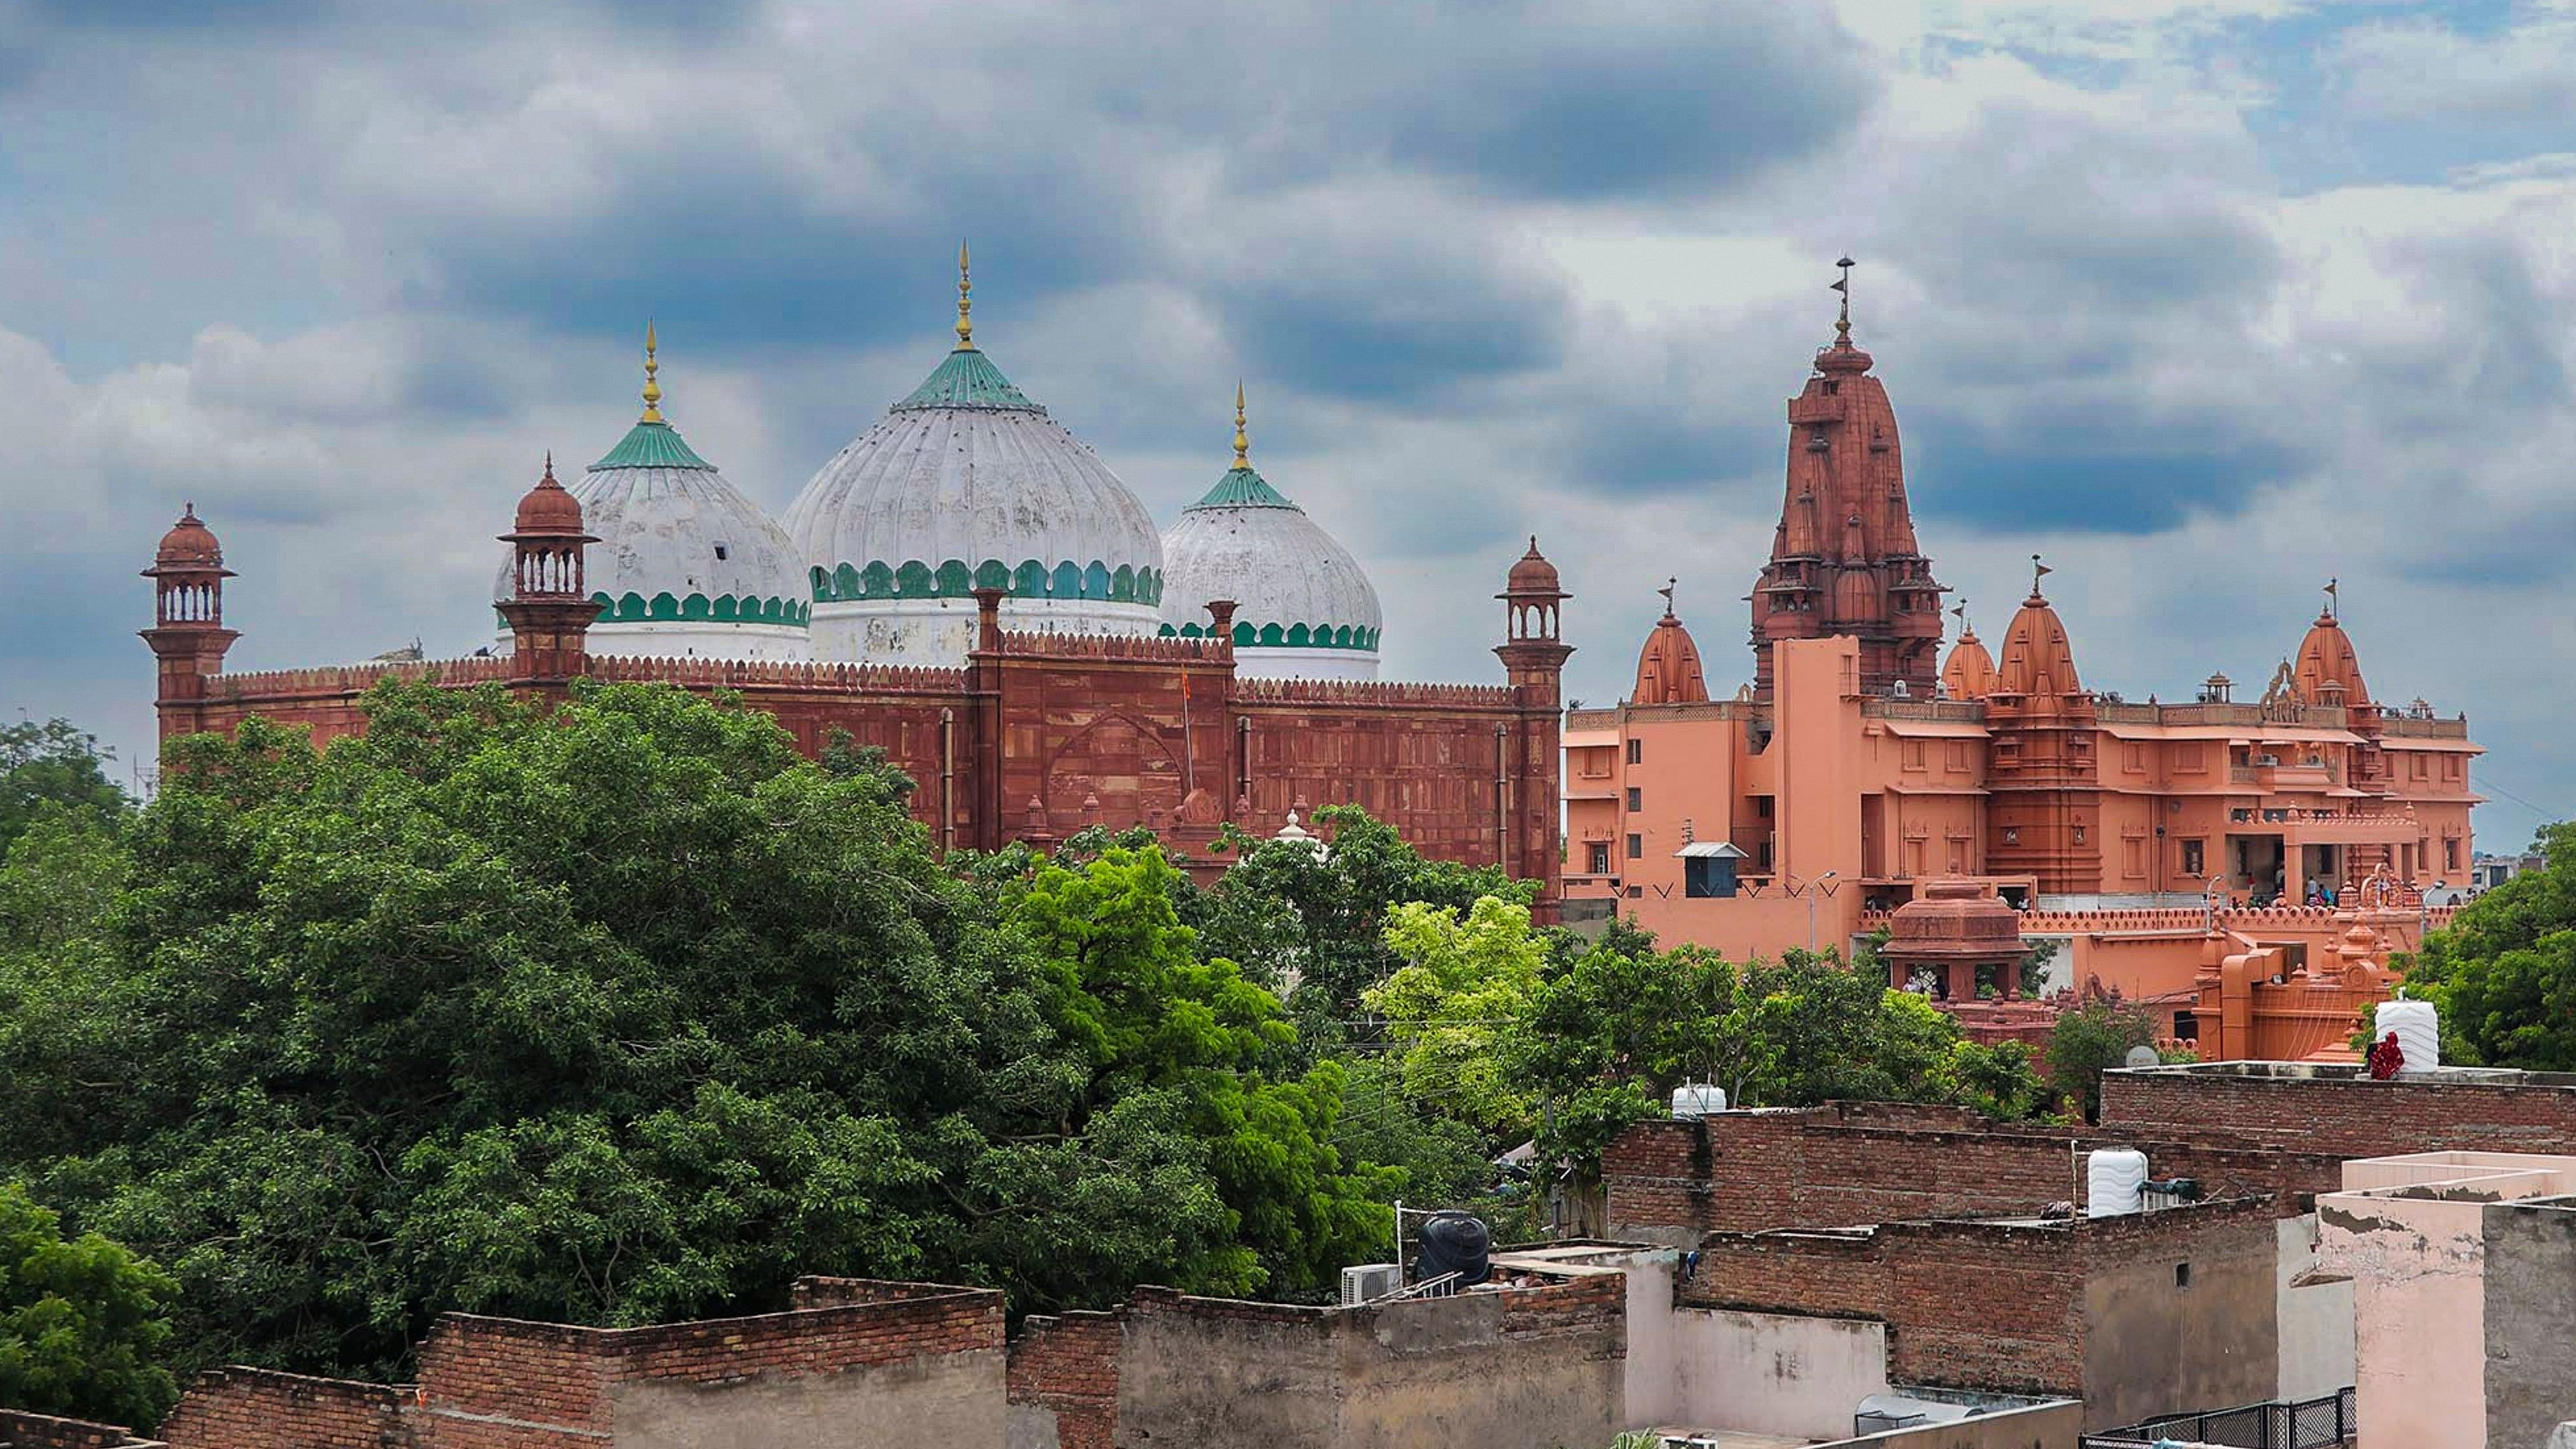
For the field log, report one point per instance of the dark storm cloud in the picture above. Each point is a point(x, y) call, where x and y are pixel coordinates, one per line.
point(2134, 477)
point(1545, 100)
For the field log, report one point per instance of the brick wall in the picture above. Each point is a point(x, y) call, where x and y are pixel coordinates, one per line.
point(1849, 1163)
point(2346, 1115)
point(22, 1430)
point(1066, 1368)
point(245, 1408)
point(497, 1383)
point(1592, 1309)
point(2004, 1307)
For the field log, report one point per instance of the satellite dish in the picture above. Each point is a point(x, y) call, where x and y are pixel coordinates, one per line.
point(2142, 1056)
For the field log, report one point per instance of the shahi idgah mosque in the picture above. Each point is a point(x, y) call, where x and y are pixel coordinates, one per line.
point(966, 483)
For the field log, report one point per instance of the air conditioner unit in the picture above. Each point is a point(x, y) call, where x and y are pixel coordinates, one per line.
point(1366, 1281)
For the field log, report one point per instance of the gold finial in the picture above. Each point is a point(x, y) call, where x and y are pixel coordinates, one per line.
point(1842, 324)
point(965, 302)
point(1242, 439)
point(652, 389)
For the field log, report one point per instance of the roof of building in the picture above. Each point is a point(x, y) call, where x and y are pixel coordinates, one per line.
point(968, 483)
point(1293, 584)
point(1668, 667)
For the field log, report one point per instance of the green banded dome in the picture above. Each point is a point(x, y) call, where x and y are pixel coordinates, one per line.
point(1304, 608)
point(968, 483)
point(685, 565)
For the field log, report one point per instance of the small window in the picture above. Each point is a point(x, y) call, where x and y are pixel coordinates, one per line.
point(2192, 858)
point(1636, 847)
point(2012, 835)
point(1914, 754)
point(2079, 835)
point(2450, 854)
point(1762, 807)
point(1954, 756)
point(721, 555)
point(2182, 1275)
point(1597, 857)
point(1636, 752)
point(2186, 1026)
point(2133, 758)
point(2187, 760)
point(1636, 798)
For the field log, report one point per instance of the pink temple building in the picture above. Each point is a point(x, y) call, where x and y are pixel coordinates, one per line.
point(2155, 840)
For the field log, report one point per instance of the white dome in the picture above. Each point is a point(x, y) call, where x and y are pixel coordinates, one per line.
point(1303, 607)
point(968, 484)
point(685, 564)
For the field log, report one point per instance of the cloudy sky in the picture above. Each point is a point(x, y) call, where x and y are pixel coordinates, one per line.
point(2207, 302)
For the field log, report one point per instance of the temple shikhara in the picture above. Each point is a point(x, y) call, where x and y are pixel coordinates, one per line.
point(2244, 861)
point(969, 587)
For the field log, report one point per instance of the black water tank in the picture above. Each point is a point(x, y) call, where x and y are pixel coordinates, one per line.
point(1455, 1243)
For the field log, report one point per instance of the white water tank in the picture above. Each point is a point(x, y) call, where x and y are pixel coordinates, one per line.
point(2115, 1182)
point(2419, 1031)
point(1698, 1099)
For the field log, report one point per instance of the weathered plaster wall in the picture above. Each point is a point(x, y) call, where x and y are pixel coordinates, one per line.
point(1520, 1369)
point(2316, 1321)
point(949, 1399)
point(2419, 1316)
point(1772, 1373)
point(2180, 1312)
point(2530, 1319)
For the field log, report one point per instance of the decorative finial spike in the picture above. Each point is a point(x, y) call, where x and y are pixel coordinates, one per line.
point(2038, 571)
point(1242, 439)
point(1670, 584)
point(2333, 603)
point(965, 301)
point(1842, 324)
point(652, 388)
point(550, 466)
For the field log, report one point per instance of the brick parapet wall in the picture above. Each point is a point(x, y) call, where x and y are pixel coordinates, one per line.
point(247, 1408)
point(2346, 1114)
point(1578, 1308)
point(1984, 1305)
point(1068, 1366)
point(22, 1430)
point(498, 1383)
point(1843, 1164)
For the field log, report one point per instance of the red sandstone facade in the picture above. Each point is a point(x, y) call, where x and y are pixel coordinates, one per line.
point(1038, 736)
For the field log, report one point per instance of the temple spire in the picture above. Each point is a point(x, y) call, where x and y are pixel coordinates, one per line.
point(965, 301)
point(1242, 439)
point(652, 388)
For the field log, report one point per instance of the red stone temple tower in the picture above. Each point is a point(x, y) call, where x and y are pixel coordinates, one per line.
point(1844, 559)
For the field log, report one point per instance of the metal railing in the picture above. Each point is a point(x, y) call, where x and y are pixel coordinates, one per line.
point(2322, 1423)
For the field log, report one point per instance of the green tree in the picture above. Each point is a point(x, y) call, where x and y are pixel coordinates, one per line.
point(52, 766)
point(2503, 973)
point(1285, 912)
point(82, 1323)
point(2091, 1039)
point(1129, 986)
point(617, 1011)
point(1464, 986)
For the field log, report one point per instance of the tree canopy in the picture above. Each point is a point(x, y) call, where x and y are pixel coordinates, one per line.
point(624, 1012)
point(52, 766)
point(82, 1324)
point(2503, 973)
